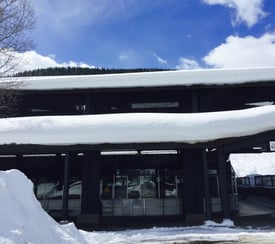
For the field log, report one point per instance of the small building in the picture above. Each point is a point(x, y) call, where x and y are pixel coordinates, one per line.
point(100, 148)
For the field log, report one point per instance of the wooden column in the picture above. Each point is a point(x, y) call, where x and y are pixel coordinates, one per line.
point(193, 185)
point(208, 207)
point(19, 162)
point(90, 198)
point(195, 101)
point(85, 182)
point(88, 105)
point(66, 187)
point(223, 183)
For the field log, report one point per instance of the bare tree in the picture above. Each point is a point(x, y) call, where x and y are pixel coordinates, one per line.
point(16, 20)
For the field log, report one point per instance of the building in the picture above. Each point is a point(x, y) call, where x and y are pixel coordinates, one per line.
point(142, 145)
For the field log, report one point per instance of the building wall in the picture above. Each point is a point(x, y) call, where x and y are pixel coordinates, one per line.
point(170, 100)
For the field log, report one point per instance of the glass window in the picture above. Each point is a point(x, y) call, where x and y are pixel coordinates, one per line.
point(75, 190)
point(121, 186)
point(170, 186)
point(46, 188)
point(107, 188)
point(244, 181)
point(143, 183)
point(148, 183)
point(258, 180)
point(154, 105)
point(247, 181)
point(135, 183)
point(214, 185)
point(50, 194)
point(267, 180)
point(134, 186)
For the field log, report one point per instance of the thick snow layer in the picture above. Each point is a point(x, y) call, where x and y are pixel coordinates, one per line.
point(22, 220)
point(246, 164)
point(136, 127)
point(149, 79)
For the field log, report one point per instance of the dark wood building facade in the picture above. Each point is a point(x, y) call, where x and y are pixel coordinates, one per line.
point(104, 182)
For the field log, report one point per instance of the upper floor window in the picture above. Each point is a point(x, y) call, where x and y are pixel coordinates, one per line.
point(152, 105)
point(80, 107)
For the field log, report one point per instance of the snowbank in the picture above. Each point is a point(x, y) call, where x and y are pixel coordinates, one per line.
point(136, 127)
point(22, 220)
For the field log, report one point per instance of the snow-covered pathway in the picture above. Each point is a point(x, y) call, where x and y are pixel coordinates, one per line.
point(210, 232)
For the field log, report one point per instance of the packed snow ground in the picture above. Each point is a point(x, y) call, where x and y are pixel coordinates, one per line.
point(22, 220)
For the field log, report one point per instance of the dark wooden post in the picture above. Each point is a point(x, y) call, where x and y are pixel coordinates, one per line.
point(85, 182)
point(19, 162)
point(90, 199)
point(94, 191)
point(193, 185)
point(65, 200)
point(195, 101)
point(223, 183)
point(88, 105)
point(208, 206)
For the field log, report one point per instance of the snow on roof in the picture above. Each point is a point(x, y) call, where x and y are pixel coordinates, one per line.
point(136, 127)
point(150, 79)
point(246, 164)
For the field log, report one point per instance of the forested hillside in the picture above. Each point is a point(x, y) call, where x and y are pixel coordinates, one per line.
point(79, 71)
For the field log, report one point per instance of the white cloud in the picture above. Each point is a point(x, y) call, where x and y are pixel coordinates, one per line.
point(247, 11)
point(185, 63)
point(159, 59)
point(130, 58)
point(69, 16)
point(246, 51)
point(123, 57)
point(31, 60)
point(63, 15)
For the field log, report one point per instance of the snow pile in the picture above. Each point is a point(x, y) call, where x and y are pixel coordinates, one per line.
point(136, 127)
point(22, 220)
point(225, 223)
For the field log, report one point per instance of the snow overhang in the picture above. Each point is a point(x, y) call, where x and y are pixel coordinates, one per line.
point(136, 128)
point(205, 77)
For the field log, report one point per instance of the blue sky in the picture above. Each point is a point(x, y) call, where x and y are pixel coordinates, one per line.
point(183, 34)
